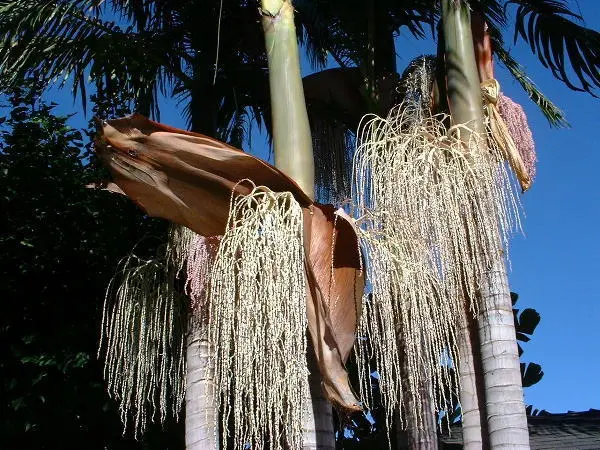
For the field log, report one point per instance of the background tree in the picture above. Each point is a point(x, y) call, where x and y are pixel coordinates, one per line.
point(61, 243)
point(145, 48)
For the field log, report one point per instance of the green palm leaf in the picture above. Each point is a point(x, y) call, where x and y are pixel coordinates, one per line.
point(559, 43)
point(553, 113)
point(53, 40)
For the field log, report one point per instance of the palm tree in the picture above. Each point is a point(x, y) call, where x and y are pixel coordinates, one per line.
point(292, 147)
point(497, 405)
point(163, 47)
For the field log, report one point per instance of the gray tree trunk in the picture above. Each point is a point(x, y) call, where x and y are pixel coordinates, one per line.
point(420, 433)
point(472, 401)
point(200, 412)
point(422, 436)
point(505, 408)
point(317, 428)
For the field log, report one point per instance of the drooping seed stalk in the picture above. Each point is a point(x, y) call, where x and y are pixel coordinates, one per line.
point(258, 322)
point(505, 410)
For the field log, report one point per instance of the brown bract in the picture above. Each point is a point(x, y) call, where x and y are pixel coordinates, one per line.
point(189, 179)
point(185, 177)
point(336, 283)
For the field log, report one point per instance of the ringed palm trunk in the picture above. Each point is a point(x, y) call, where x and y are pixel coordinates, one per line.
point(294, 156)
point(200, 411)
point(504, 406)
point(472, 398)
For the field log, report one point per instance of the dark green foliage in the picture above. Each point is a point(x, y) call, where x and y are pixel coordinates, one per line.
point(168, 47)
point(548, 27)
point(60, 243)
point(145, 48)
point(526, 322)
point(531, 373)
point(342, 29)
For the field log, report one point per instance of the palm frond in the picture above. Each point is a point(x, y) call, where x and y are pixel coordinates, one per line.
point(239, 128)
point(58, 40)
point(39, 37)
point(553, 113)
point(568, 49)
point(491, 11)
point(322, 33)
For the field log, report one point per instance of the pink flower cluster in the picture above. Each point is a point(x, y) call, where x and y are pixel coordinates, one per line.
point(201, 257)
point(516, 122)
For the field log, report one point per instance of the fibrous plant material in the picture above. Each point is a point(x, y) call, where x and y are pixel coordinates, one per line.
point(179, 242)
point(434, 214)
point(335, 105)
point(416, 86)
point(502, 136)
point(406, 304)
point(258, 321)
point(143, 329)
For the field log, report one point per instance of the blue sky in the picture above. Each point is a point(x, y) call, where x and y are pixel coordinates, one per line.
point(556, 263)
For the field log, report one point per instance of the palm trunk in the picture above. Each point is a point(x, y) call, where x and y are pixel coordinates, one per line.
point(201, 415)
point(318, 416)
point(505, 409)
point(422, 434)
point(507, 420)
point(294, 156)
point(472, 396)
point(200, 410)
point(292, 141)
